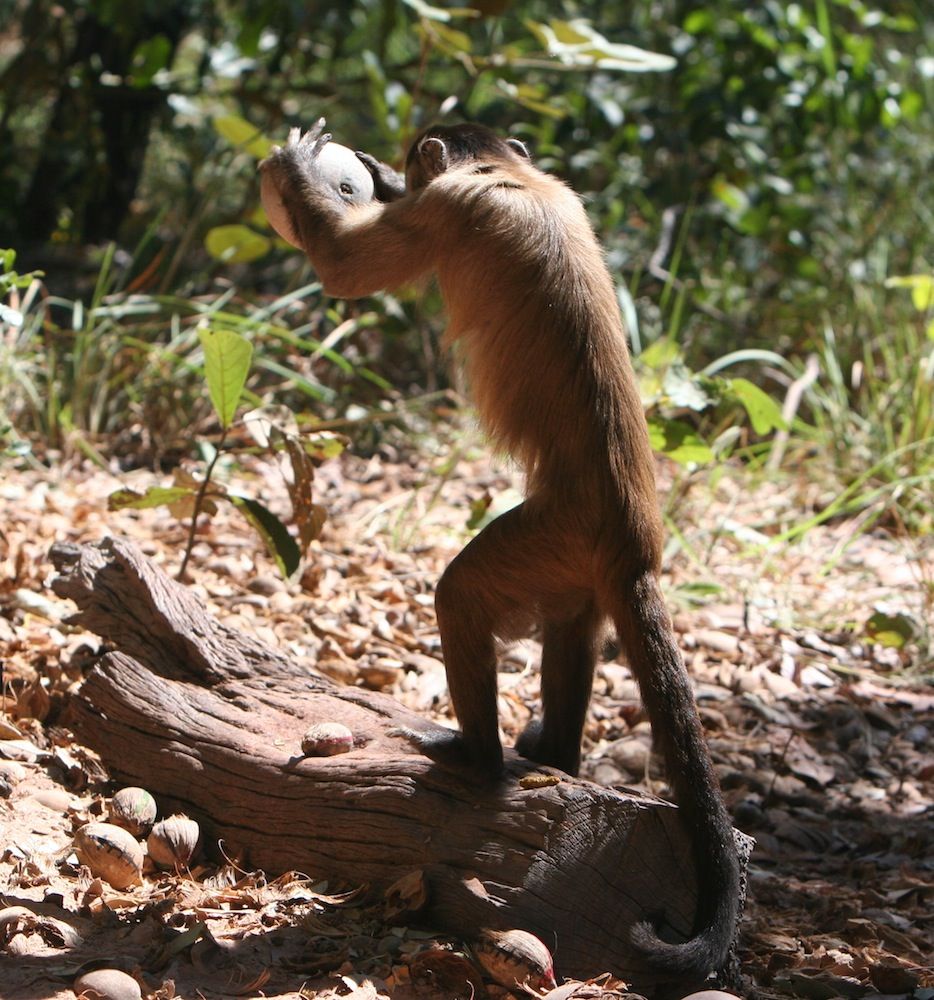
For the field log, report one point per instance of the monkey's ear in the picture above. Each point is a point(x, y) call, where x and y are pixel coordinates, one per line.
point(433, 155)
point(519, 147)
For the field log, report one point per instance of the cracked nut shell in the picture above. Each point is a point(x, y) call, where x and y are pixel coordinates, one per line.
point(515, 958)
point(173, 842)
point(110, 852)
point(134, 809)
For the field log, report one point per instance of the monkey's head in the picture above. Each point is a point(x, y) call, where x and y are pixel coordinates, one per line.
point(441, 147)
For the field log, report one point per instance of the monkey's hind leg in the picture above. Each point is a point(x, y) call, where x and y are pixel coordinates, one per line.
point(569, 655)
point(491, 590)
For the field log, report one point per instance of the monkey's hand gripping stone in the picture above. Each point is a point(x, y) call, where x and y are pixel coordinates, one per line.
point(311, 159)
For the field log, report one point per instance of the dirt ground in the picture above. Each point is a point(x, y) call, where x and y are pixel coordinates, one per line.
point(821, 733)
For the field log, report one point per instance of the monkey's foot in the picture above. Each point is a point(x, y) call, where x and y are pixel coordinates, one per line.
point(450, 748)
point(535, 745)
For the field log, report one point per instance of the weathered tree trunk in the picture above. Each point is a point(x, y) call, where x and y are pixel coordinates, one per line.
point(210, 718)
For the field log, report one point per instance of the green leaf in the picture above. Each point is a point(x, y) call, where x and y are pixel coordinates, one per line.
point(534, 98)
point(148, 58)
point(323, 445)
point(479, 515)
point(239, 132)
point(456, 41)
point(698, 21)
point(155, 496)
point(568, 32)
point(678, 441)
point(579, 45)
point(735, 199)
point(892, 630)
point(764, 412)
point(278, 541)
point(227, 358)
point(660, 353)
point(922, 289)
point(236, 244)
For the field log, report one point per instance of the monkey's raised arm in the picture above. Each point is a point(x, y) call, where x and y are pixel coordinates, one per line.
point(357, 249)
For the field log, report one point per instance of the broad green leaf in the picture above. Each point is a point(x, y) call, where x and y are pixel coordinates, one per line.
point(922, 295)
point(155, 496)
point(678, 441)
point(227, 358)
point(579, 45)
point(660, 353)
point(148, 58)
point(236, 244)
point(735, 199)
point(239, 132)
point(531, 97)
point(278, 541)
point(258, 217)
point(569, 32)
point(698, 21)
point(459, 41)
point(892, 630)
point(764, 412)
point(324, 444)
point(922, 289)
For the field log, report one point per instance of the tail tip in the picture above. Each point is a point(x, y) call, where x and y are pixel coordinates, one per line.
point(699, 956)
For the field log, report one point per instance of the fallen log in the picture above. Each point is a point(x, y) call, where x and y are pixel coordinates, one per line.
point(211, 719)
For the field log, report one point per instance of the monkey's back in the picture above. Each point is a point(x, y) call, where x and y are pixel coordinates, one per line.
point(531, 301)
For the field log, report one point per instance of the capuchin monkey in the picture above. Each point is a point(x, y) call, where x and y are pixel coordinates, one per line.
point(532, 308)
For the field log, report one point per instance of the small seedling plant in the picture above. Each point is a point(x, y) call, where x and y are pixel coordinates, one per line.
point(227, 360)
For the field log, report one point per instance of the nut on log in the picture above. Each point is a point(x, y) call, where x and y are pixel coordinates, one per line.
point(173, 842)
point(515, 958)
point(325, 739)
point(107, 984)
point(134, 809)
point(111, 853)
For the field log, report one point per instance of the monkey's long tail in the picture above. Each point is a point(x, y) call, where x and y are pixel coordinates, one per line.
point(655, 659)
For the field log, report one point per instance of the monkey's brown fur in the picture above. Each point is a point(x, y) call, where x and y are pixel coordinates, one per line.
point(532, 305)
